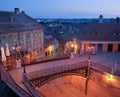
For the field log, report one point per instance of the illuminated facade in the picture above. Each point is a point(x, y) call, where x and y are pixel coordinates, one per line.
point(22, 33)
point(99, 37)
point(51, 46)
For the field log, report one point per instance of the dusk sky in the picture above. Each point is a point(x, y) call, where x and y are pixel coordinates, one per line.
point(64, 8)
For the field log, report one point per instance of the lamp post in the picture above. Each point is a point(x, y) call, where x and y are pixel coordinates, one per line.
point(17, 55)
point(24, 69)
point(24, 74)
point(88, 70)
point(89, 62)
point(89, 59)
point(16, 48)
point(88, 73)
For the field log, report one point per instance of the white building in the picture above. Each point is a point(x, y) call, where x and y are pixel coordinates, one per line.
point(23, 34)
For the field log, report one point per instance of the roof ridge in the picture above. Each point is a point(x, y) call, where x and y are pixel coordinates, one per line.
point(7, 11)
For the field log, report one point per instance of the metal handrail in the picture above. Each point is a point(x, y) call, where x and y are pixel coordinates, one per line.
point(57, 69)
point(101, 67)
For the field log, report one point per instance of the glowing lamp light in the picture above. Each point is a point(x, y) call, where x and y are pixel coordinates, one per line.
point(51, 48)
point(110, 77)
point(89, 48)
point(72, 45)
point(13, 48)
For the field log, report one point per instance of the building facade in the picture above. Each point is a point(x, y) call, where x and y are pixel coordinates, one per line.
point(95, 37)
point(22, 33)
point(79, 38)
point(104, 37)
point(51, 46)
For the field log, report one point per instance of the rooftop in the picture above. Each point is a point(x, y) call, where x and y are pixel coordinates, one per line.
point(12, 22)
point(103, 32)
point(86, 32)
point(16, 16)
point(6, 28)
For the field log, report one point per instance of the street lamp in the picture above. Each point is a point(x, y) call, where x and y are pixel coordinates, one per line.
point(16, 48)
point(89, 59)
point(17, 55)
point(24, 74)
point(89, 62)
point(110, 77)
point(88, 71)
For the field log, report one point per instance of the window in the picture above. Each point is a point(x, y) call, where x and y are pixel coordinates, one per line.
point(95, 33)
point(116, 34)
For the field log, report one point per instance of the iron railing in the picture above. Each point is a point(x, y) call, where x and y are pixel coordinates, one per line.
point(59, 69)
point(54, 70)
point(100, 67)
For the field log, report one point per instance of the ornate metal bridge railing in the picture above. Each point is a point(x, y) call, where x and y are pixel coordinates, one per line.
point(54, 70)
point(100, 67)
point(41, 77)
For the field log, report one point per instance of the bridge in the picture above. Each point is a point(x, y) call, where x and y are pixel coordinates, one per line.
point(39, 78)
point(38, 75)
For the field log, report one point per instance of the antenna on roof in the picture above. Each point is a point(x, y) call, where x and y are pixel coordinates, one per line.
point(23, 12)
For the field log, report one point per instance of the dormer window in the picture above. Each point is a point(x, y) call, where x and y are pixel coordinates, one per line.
point(95, 33)
point(24, 26)
point(11, 27)
point(116, 34)
point(34, 25)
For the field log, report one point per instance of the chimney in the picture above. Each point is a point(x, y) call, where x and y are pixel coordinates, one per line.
point(100, 19)
point(16, 10)
point(117, 19)
point(23, 12)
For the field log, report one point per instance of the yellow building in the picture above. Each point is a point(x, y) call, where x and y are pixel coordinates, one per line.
point(51, 46)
